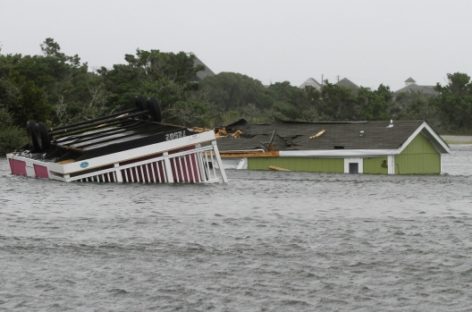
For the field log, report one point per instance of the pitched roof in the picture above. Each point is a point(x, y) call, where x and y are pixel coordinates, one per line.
point(346, 83)
point(311, 82)
point(205, 72)
point(293, 136)
point(412, 88)
point(411, 80)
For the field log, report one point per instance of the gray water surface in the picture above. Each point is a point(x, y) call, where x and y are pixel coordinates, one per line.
point(266, 241)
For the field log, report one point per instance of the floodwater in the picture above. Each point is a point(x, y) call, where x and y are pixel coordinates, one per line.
point(266, 241)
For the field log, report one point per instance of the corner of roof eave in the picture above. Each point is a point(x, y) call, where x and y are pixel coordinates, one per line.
point(425, 126)
point(440, 142)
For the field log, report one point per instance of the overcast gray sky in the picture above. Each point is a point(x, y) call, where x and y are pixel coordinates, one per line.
point(368, 41)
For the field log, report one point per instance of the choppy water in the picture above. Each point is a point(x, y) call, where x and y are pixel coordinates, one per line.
point(266, 241)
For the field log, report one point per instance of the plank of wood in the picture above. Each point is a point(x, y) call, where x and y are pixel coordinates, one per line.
point(275, 168)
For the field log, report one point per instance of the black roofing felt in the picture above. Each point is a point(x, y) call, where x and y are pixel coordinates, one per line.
point(337, 135)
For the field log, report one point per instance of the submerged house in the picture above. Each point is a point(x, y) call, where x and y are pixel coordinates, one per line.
point(371, 147)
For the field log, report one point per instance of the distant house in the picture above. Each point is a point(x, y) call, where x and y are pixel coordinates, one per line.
point(348, 84)
point(311, 82)
point(412, 87)
point(371, 147)
point(205, 72)
point(344, 83)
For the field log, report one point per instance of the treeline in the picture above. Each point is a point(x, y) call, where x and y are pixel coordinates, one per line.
point(57, 89)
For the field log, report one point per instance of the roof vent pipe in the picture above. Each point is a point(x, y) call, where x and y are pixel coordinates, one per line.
point(391, 124)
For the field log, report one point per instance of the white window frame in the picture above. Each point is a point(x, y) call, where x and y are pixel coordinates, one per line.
point(358, 161)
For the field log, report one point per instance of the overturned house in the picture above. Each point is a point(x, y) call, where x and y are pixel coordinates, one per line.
point(131, 146)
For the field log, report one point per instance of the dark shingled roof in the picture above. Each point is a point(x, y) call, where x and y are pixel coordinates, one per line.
point(337, 135)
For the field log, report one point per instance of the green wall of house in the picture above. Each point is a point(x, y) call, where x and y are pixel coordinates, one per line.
point(419, 157)
point(321, 165)
point(375, 165)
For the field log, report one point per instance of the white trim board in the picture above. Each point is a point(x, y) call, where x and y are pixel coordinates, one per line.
point(337, 153)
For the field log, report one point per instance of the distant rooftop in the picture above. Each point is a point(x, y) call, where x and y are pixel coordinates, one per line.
point(311, 82)
point(205, 72)
point(348, 84)
point(412, 87)
point(345, 83)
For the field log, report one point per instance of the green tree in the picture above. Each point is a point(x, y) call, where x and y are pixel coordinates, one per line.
point(168, 77)
point(293, 103)
point(374, 105)
point(415, 105)
point(11, 136)
point(231, 96)
point(54, 88)
point(51, 48)
point(338, 103)
point(455, 102)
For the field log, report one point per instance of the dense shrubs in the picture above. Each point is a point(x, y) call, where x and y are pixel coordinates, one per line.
point(11, 138)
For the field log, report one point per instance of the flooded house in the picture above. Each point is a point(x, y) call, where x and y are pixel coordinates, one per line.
point(131, 146)
point(369, 147)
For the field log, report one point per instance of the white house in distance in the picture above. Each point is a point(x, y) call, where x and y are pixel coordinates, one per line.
point(311, 82)
point(345, 83)
point(412, 87)
point(205, 71)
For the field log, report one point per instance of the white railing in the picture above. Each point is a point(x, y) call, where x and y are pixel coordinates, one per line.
point(201, 164)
